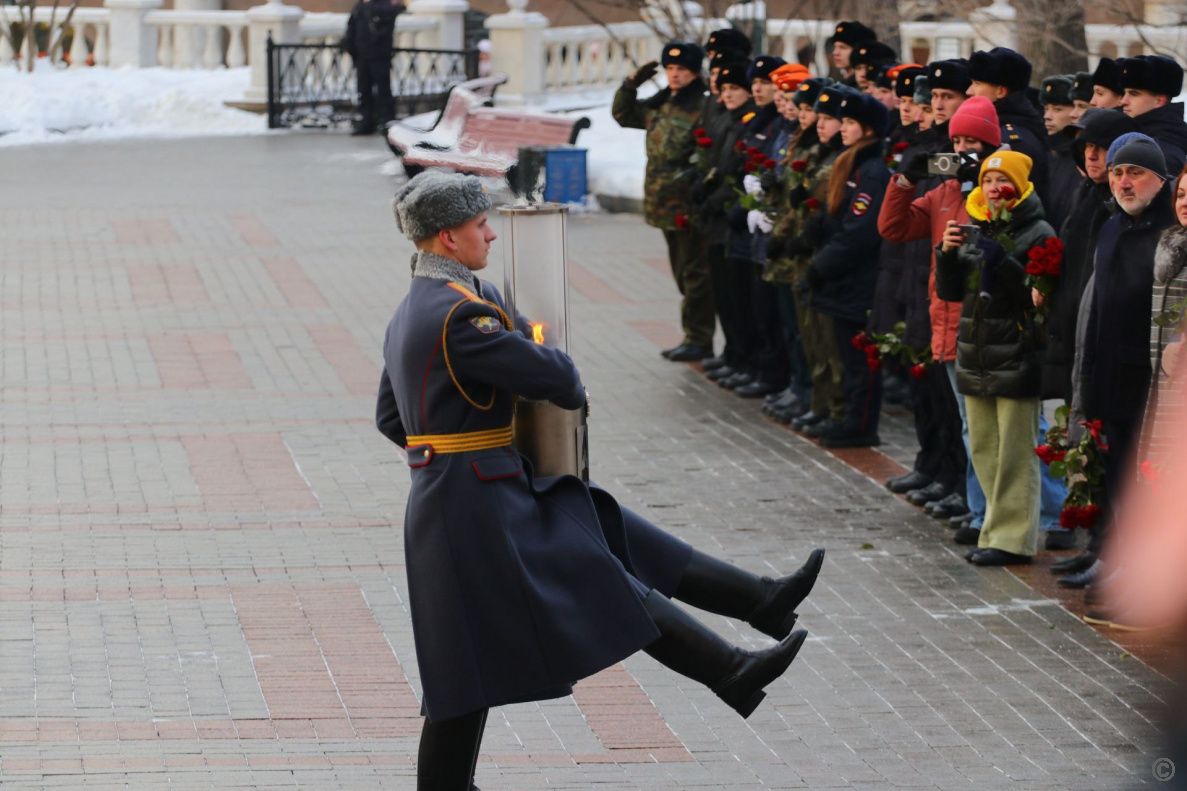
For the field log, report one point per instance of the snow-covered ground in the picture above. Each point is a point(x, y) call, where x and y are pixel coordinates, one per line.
point(103, 104)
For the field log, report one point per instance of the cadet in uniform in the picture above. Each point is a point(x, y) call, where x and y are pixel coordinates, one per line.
point(519, 585)
point(670, 117)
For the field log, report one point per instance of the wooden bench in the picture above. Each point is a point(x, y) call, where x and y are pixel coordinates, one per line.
point(490, 140)
point(443, 133)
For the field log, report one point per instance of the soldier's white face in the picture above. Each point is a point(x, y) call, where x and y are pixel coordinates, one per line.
point(469, 243)
point(1103, 97)
point(679, 77)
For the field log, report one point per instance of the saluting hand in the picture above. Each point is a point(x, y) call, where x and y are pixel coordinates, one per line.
point(645, 73)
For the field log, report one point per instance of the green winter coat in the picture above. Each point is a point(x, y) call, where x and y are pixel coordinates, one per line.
point(669, 120)
point(789, 230)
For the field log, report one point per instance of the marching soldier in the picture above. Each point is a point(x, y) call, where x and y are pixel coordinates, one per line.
point(518, 585)
point(670, 118)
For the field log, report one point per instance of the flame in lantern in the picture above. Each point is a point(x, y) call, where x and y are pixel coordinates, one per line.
point(537, 332)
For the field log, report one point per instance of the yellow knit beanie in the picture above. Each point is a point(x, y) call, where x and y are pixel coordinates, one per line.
point(1014, 164)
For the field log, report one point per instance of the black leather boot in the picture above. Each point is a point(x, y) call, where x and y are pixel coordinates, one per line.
point(693, 650)
point(448, 753)
point(766, 604)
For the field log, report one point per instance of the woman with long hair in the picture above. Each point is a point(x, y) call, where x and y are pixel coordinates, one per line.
point(844, 269)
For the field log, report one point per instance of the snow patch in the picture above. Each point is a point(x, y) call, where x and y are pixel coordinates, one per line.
point(55, 105)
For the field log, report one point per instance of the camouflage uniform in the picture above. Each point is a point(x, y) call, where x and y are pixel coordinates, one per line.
point(669, 120)
point(816, 329)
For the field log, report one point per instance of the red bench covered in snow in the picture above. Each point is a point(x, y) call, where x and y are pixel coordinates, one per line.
point(443, 133)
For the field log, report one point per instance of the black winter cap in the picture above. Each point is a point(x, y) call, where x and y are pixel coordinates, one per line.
point(1157, 74)
point(867, 111)
point(809, 90)
point(1081, 87)
point(733, 73)
point(1142, 153)
point(951, 75)
point(853, 33)
point(872, 53)
point(1100, 127)
point(683, 53)
point(904, 83)
point(1000, 66)
point(1108, 75)
point(1057, 89)
point(762, 66)
point(723, 57)
point(829, 100)
point(729, 40)
point(882, 76)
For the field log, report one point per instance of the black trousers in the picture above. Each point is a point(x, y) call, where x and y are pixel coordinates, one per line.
point(1120, 468)
point(941, 453)
point(738, 276)
point(771, 350)
point(375, 90)
point(449, 752)
point(862, 386)
point(800, 373)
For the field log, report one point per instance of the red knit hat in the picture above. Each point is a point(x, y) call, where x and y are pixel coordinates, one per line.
point(976, 118)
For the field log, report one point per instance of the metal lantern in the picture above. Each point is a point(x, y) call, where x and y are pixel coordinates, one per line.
point(535, 284)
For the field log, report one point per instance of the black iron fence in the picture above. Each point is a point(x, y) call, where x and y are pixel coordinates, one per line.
point(313, 85)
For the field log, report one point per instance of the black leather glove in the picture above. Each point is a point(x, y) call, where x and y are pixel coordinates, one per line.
point(970, 168)
point(645, 73)
point(768, 180)
point(797, 196)
point(915, 170)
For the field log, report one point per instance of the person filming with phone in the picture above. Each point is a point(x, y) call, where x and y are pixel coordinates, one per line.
point(998, 349)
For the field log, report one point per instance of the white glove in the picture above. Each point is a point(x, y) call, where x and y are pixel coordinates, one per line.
point(752, 185)
point(765, 223)
point(752, 218)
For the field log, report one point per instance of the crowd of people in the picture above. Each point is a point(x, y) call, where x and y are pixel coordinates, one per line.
point(944, 236)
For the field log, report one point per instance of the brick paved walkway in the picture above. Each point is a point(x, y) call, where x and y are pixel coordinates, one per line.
point(201, 580)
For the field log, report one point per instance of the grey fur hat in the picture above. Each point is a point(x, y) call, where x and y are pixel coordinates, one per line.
point(434, 200)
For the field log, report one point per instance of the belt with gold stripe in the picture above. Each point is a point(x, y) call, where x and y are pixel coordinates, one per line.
point(458, 443)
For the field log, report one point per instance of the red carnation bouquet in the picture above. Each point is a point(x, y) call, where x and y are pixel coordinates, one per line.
point(877, 346)
point(702, 158)
point(757, 163)
point(1082, 467)
point(1042, 268)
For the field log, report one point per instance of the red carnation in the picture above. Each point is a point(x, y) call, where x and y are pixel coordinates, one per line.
point(900, 148)
point(769, 163)
point(704, 142)
point(699, 132)
point(799, 165)
point(812, 203)
point(750, 167)
point(739, 146)
point(919, 371)
point(860, 341)
point(681, 221)
point(1067, 518)
point(1007, 193)
point(751, 150)
point(1089, 514)
point(875, 363)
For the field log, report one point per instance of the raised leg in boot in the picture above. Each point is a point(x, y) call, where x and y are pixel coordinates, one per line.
point(695, 651)
point(448, 753)
point(766, 604)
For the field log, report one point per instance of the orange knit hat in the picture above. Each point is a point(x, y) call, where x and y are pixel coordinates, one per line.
point(789, 76)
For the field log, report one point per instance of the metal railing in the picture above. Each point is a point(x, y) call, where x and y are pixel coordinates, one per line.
point(313, 84)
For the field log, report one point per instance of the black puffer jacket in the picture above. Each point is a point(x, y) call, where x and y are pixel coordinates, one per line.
point(1079, 232)
point(998, 351)
point(845, 268)
point(1064, 176)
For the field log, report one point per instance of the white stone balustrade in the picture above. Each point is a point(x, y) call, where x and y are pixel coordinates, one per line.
point(199, 39)
point(588, 58)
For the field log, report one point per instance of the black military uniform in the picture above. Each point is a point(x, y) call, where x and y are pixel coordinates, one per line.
point(368, 40)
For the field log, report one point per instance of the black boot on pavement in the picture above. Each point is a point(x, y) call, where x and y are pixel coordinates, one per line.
point(693, 650)
point(809, 418)
point(688, 353)
point(1074, 564)
point(936, 490)
point(713, 362)
point(998, 557)
point(766, 604)
point(967, 536)
point(950, 506)
point(905, 483)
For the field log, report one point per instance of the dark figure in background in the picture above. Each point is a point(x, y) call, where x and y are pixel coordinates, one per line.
point(368, 41)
